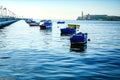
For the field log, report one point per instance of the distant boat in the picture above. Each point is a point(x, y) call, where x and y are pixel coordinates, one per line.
point(60, 22)
point(28, 21)
point(71, 29)
point(45, 24)
point(32, 23)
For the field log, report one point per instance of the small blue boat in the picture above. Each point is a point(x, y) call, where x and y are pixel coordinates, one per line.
point(79, 38)
point(60, 22)
point(45, 24)
point(71, 29)
point(67, 31)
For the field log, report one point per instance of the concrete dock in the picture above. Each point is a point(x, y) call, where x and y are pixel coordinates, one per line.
point(7, 21)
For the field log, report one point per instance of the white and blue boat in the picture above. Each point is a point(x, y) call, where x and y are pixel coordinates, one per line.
point(45, 24)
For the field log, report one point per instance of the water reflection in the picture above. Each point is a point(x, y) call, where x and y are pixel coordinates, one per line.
point(2, 42)
point(78, 48)
point(46, 35)
point(46, 31)
point(5, 57)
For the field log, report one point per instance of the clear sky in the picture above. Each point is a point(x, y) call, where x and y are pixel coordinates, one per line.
point(61, 9)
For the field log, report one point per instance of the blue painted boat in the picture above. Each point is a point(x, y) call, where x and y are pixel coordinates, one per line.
point(71, 29)
point(60, 22)
point(45, 24)
point(65, 31)
point(79, 38)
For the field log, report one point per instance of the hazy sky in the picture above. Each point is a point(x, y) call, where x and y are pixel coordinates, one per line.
point(61, 9)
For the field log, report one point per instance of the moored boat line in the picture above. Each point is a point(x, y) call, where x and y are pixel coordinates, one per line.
point(77, 40)
point(44, 24)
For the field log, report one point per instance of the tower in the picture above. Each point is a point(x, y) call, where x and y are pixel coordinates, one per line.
point(82, 14)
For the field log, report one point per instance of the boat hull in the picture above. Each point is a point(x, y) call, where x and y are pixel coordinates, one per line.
point(33, 24)
point(42, 27)
point(67, 31)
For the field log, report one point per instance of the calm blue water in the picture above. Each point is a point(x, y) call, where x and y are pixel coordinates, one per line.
point(28, 53)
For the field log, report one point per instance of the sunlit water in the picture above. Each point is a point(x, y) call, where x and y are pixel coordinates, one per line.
point(28, 53)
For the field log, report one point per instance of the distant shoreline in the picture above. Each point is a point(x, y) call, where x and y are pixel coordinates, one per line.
point(99, 17)
point(98, 20)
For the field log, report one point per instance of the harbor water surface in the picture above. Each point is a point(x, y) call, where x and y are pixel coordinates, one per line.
point(29, 53)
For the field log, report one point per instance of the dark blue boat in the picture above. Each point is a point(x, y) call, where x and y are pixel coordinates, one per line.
point(78, 42)
point(65, 31)
point(71, 29)
point(79, 38)
point(60, 22)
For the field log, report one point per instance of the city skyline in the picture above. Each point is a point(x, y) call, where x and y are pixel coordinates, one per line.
point(61, 9)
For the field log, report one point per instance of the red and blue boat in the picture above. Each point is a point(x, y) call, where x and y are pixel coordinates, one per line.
point(32, 23)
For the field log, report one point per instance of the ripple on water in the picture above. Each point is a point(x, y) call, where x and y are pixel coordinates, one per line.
point(4, 57)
